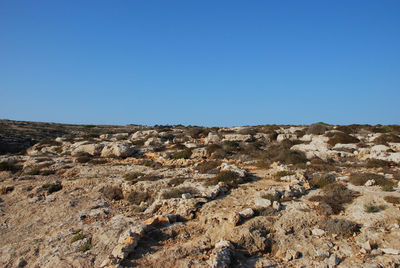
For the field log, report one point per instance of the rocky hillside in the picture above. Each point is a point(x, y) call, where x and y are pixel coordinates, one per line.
point(174, 196)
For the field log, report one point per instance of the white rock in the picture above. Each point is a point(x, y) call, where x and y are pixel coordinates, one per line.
point(247, 213)
point(262, 202)
point(370, 182)
point(92, 149)
point(186, 196)
point(117, 149)
point(237, 137)
point(282, 137)
point(276, 205)
point(212, 138)
point(391, 251)
point(318, 232)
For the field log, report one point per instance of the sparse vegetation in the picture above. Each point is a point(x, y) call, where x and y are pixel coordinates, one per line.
point(52, 187)
point(7, 166)
point(207, 166)
point(317, 129)
point(361, 178)
point(384, 139)
point(6, 189)
point(137, 198)
point(78, 236)
point(377, 163)
point(34, 171)
point(342, 138)
point(335, 195)
point(371, 208)
point(113, 193)
point(177, 192)
point(392, 199)
point(176, 181)
point(228, 177)
point(270, 197)
point(132, 176)
point(185, 154)
point(87, 246)
point(322, 180)
point(343, 228)
point(278, 175)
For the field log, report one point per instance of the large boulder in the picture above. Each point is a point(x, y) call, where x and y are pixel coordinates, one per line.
point(118, 149)
point(92, 149)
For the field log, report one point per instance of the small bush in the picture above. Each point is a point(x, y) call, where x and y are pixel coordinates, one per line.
point(392, 199)
point(385, 138)
point(370, 208)
point(207, 166)
point(335, 195)
point(177, 192)
point(83, 158)
point(34, 171)
point(270, 197)
point(151, 163)
point(185, 154)
point(132, 176)
point(278, 175)
point(6, 189)
point(98, 161)
point(87, 246)
point(291, 157)
point(78, 236)
point(229, 177)
point(343, 228)
point(321, 181)
point(137, 198)
point(7, 166)
point(113, 193)
point(343, 138)
point(360, 179)
point(52, 187)
point(138, 143)
point(377, 163)
point(176, 181)
point(317, 129)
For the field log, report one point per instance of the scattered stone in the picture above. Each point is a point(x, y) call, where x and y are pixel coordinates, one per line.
point(247, 213)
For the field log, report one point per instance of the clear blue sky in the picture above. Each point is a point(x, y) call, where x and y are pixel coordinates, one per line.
point(200, 62)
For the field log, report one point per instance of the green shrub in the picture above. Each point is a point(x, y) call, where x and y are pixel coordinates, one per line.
point(132, 176)
point(52, 187)
point(322, 180)
point(291, 157)
point(138, 143)
point(343, 138)
point(392, 199)
point(87, 246)
point(7, 166)
point(151, 163)
point(377, 163)
point(34, 171)
point(113, 193)
point(360, 179)
point(177, 192)
point(385, 138)
point(270, 197)
point(317, 129)
point(343, 228)
point(335, 195)
point(176, 181)
point(137, 198)
point(229, 177)
point(78, 236)
point(207, 166)
point(83, 158)
point(185, 154)
point(370, 208)
point(6, 189)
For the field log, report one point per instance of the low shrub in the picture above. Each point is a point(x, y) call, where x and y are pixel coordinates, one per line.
point(322, 180)
point(136, 198)
point(371, 208)
point(7, 166)
point(151, 163)
point(176, 181)
point(83, 159)
point(271, 197)
point(392, 199)
point(377, 163)
point(113, 193)
point(78, 236)
point(343, 138)
point(386, 138)
point(291, 157)
point(87, 246)
point(34, 171)
point(360, 179)
point(278, 175)
point(6, 189)
point(177, 192)
point(229, 177)
point(185, 154)
point(207, 166)
point(132, 176)
point(317, 129)
point(52, 187)
point(335, 195)
point(343, 228)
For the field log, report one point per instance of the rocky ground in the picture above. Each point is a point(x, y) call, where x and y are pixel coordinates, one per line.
point(175, 196)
